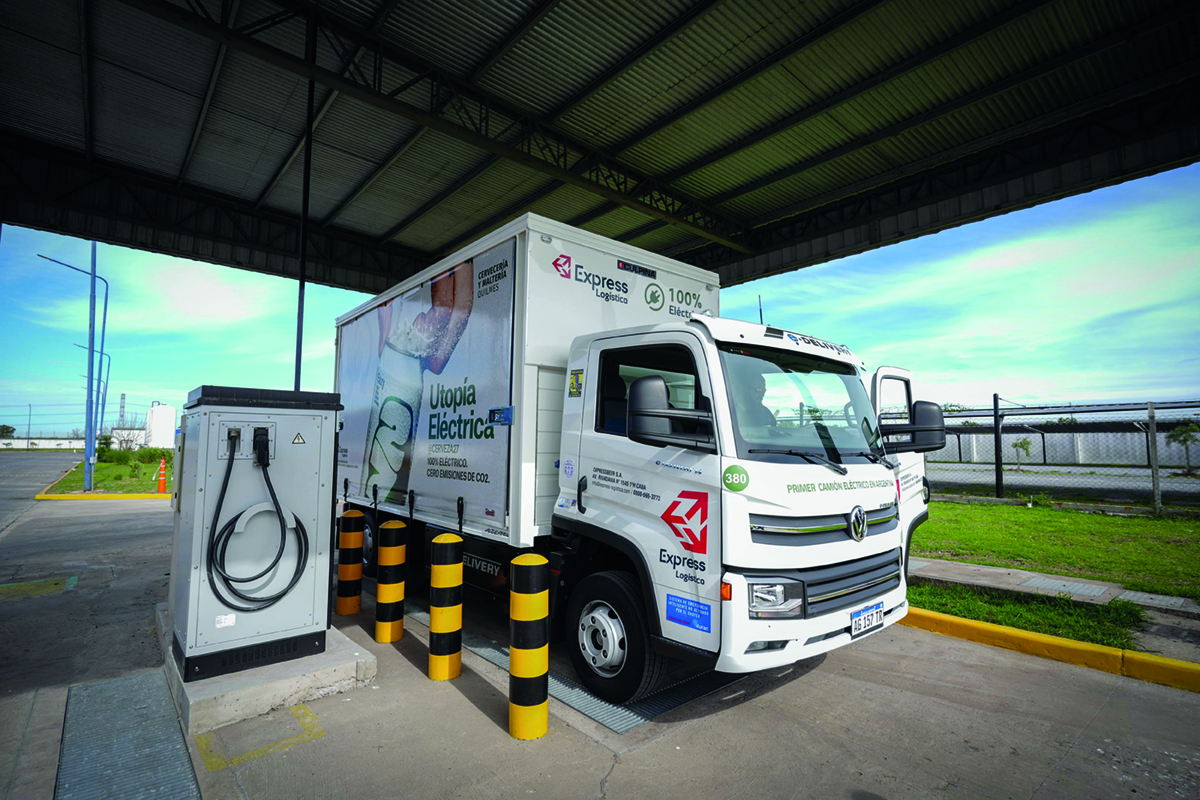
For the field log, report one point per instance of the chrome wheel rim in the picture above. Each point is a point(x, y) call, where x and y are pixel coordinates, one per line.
point(601, 636)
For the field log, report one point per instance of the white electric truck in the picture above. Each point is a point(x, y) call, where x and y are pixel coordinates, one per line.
point(705, 489)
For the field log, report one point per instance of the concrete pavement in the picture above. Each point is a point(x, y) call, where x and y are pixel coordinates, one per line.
point(903, 713)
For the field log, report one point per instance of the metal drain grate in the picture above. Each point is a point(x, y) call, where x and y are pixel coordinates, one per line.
point(1066, 587)
point(121, 739)
point(619, 719)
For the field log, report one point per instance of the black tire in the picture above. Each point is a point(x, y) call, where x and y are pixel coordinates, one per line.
point(641, 669)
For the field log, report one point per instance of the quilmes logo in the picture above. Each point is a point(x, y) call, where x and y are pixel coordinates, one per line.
point(563, 265)
point(687, 517)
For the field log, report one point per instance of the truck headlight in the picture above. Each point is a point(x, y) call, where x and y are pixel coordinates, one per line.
point(776, 600)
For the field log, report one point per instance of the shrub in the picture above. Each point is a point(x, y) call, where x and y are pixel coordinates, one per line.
point(152, 455)
point(119, 457)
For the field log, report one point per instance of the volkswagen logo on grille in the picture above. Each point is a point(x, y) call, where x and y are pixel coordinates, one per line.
point(858, 523)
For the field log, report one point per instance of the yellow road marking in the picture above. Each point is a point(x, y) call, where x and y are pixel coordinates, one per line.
point(215, 759)
point(18, 591)
point(131, 496)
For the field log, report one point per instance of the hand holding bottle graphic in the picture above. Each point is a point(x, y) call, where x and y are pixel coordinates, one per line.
point(406, 350)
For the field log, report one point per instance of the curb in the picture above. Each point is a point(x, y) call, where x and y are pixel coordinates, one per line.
point(1143, 666)
point(155, 496)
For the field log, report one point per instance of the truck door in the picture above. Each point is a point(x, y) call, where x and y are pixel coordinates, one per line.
point(891, 393)
point(664, 500)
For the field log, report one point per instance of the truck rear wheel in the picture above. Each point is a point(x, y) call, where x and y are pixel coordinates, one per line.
point(610, 642)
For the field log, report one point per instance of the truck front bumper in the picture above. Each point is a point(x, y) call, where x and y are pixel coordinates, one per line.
point(788, 640)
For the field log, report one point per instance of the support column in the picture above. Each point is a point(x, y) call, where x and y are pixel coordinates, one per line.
point(310, 55)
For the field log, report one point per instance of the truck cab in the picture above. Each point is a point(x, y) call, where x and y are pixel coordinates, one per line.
point(727, 495)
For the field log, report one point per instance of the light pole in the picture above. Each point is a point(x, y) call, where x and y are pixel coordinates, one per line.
point(90, 431)
point(107, 372)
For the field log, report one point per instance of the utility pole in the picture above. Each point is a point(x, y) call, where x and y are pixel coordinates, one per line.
point(90, 425)
point(121, 416)
point(29, 427)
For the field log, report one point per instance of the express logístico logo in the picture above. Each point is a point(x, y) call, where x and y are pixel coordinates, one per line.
point(607, 289)
point(687, 517)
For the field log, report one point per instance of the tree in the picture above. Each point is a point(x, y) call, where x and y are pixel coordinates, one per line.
point(76, 433)
point(7, 431)
point(1185, 436)
point(1022, 447)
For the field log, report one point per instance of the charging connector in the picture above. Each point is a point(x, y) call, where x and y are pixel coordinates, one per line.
point(218, 540)
point(262, 447)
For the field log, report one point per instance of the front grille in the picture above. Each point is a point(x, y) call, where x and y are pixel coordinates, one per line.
point(852, 583)
point(788, 531)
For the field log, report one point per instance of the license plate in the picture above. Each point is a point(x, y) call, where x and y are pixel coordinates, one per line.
point(866, 620)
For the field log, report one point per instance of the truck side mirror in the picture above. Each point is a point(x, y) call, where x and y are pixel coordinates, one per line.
point(926, 429)
point(651, 420)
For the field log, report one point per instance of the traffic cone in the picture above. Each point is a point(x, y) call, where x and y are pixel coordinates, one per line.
point(162, 476)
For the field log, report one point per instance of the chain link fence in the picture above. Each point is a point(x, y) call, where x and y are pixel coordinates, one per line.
point(1129, 453)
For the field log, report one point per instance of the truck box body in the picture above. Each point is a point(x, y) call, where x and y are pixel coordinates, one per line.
point(454, 380)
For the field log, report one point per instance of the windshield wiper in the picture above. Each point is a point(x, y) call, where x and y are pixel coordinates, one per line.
point(812, 458)
point(875, 457)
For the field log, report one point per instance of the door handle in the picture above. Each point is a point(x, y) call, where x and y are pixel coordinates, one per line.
point(580, 488)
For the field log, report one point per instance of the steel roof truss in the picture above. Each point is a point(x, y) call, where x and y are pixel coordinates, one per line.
point(751, 72)
point(476, 108)
point(857, 90)
point(1096, 46)
point(327, 103)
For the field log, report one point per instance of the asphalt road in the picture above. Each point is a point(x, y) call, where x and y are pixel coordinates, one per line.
point(22, 475)
point(902, 713)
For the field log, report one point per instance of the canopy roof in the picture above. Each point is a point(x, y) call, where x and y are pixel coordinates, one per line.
point(743, 136)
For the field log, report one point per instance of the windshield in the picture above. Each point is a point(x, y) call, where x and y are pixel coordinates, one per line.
point(791, 401)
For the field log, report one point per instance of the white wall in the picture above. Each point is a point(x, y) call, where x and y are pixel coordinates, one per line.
point(41, 444)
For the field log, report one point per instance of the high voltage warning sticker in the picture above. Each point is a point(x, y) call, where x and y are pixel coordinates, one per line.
point(298, 440)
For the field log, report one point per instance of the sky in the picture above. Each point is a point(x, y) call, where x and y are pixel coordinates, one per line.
point(1092, 298)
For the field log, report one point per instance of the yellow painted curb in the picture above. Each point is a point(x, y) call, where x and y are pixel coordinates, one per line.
point(154, 496)
point(1160, 669)
point(1143, 666)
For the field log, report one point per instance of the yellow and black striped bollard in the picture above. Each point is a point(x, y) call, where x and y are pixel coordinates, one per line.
point(389, 583)
point(350, 550)
point(528, 652)
point(445, 607)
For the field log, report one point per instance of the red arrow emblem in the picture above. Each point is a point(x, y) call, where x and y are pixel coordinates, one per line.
point(692, 526)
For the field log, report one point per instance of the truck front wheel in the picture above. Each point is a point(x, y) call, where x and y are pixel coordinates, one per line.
point(610, 644)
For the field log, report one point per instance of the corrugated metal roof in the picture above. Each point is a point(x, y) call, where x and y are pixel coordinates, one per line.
point(149, 76)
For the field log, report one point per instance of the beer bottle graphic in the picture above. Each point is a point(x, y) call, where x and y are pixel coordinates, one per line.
point(395, 409)
point(408, 351)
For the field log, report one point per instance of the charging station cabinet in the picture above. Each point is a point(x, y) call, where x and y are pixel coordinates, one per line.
point(251, 576)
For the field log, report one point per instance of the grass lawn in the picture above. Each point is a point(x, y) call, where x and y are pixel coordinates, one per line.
point(113, 478)
point(1142, 553)
point(1111, 624)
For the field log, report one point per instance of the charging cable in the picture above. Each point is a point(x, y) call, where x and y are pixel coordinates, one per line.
point(218, 541)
